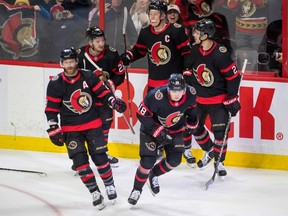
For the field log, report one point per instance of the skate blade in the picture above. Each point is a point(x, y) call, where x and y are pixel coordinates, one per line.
point(113, 201)
point(148, 184)
point(101, 206)
point(222, 178)
point(191, 165)
point(115, 165)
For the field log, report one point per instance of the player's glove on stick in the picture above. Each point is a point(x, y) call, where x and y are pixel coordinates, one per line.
point(126, 58)
point(56, 135)
point(162, 136)
point(117, 104)
point(232, 105)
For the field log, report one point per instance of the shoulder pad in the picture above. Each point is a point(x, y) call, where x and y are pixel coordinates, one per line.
point(112, 49)
point(222, 49)
point(177, 25)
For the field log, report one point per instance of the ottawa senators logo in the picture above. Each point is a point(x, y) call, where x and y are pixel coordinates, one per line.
point(72, 145)
point(171, 119)
point(151, 146)
point(159, 54)
point(80, 102)
point(158, 95)
point(203, 75)
point(247, 9)
point(18, 36)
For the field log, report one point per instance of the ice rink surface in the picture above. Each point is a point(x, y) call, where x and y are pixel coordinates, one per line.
point(245, 192)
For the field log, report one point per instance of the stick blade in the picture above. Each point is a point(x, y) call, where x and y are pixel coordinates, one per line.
point(208, 183)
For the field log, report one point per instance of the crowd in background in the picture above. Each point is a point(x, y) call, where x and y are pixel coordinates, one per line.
point(242, 26)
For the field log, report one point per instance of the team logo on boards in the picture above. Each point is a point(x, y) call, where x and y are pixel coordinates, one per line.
point(18, 35)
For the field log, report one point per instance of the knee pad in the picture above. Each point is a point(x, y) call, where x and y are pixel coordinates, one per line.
point(99, 159)
point(174, 159)
point(80, 159)
point(147, 162)
point(219, 135)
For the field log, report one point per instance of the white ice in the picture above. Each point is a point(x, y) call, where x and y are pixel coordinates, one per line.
point(245, 192)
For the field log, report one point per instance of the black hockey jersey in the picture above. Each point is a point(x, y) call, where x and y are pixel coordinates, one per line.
point(157, 109)
point(215, 75)
point(168, 51)
point(74, 100)
point(108, 61)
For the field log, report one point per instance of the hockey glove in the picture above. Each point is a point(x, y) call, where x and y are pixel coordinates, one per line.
point(56, 135)
point(190, 128)
point(162, 136)
point(126, 58)
point(117, 104)
point(232, 105)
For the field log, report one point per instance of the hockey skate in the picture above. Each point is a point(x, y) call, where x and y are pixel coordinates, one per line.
point(113, 161)
point(220, 170)
point(189, 157)
point(98, 200)
point(111, 193)
point(206, 159)
point(153, 184)
point(134, 197)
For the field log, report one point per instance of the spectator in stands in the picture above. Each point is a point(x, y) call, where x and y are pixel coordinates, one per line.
point(139, 15)
point(174, 14)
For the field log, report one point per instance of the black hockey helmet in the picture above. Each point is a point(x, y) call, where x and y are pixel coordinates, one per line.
point(94, 32)
point(158, 5)
point(205, 26)
point(68, 53)
point(176, 82)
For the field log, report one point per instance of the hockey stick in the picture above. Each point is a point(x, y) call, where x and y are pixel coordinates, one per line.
point(126, 67)
point(225, 136)
point(25, 171)
point(100, 69)
point(220, 154)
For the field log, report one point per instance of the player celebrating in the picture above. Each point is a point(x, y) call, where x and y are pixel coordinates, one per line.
point(104, 60)
point(163, 114)
point(71, 94)
point(167, 46)
point(216, 79)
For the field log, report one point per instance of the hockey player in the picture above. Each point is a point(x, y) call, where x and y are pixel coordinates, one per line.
point(163, 114)
point(216, 79)
point(104, 60)
point(71, 94)
point(167, 47)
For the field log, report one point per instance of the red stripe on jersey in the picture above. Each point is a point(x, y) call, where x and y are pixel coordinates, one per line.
point(140, 46)
point(232, 77)
point(55, 100)
point(183, 44)
point(72, 80)
point(211, 100)
point(227, 69)
point(48, 109)
point(156, 83)
point(95, 88)
point(104, 93)
point(97, 123)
